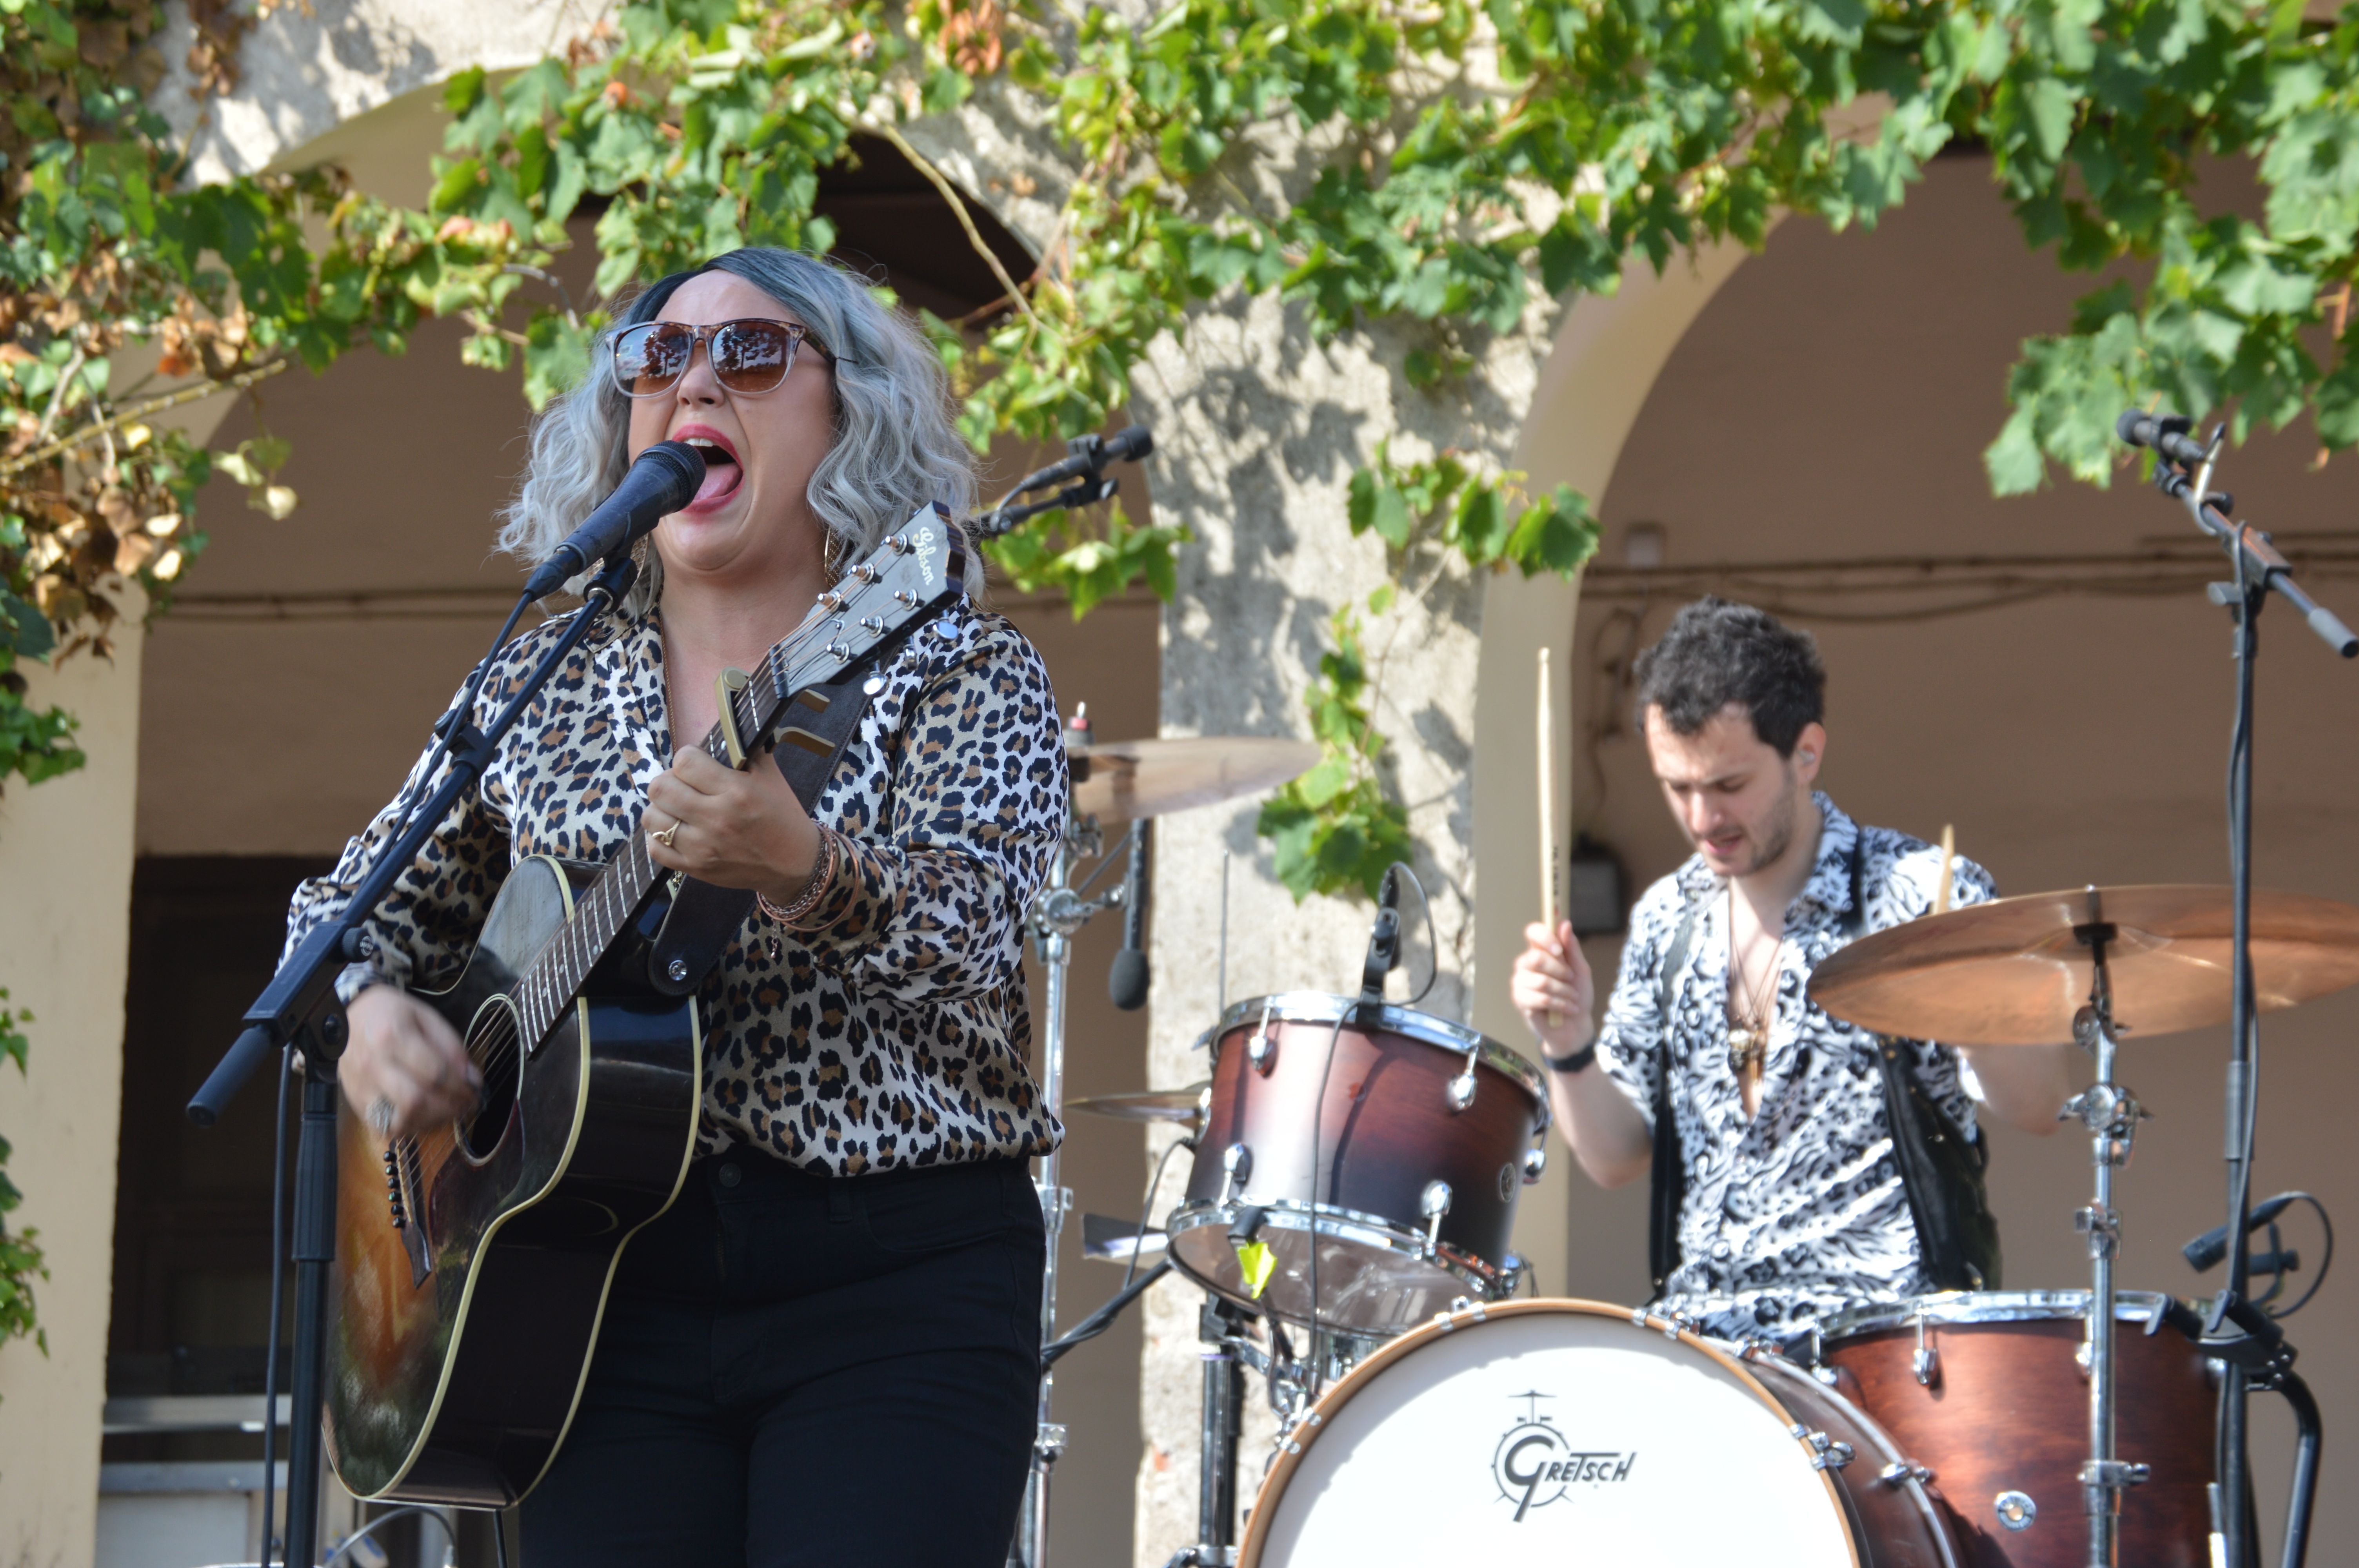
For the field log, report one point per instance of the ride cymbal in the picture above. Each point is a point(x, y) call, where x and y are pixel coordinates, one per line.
point(2015, 971)
point(1122, 780)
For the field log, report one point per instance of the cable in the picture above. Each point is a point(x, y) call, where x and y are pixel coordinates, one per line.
point(2324, 1262)
point(1098, 1321)
point(1432, 943)
point(1146, 1206)
point(346, 1545)
point(278, 1304)
point(1318, 1104)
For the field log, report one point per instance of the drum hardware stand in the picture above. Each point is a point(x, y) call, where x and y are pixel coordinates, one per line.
point(2111, 1115)
point(1221, 1324)
point(2183, 472)
point(1057, 915)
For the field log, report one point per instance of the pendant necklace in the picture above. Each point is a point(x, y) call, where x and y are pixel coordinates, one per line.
point(1748, 1029)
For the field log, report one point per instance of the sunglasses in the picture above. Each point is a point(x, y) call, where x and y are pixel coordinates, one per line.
point(750, 355)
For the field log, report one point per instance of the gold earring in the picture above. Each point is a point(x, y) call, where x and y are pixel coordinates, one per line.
point(831, 557)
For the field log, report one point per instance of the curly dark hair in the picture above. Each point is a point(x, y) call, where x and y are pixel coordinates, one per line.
point(1717, 653)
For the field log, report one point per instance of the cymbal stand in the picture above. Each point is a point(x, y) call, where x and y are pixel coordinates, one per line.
point(2111, 1115)
point(1055, 918)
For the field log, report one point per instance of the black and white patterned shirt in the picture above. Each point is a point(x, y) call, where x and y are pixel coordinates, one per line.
point(1797, 1209)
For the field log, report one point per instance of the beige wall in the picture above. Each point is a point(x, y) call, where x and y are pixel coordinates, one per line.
point(65, 899)
point(1831, 401)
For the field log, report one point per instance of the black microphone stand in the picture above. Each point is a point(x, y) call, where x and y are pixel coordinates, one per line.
point(1086, 465)
point(2254, 1350)
point(300, 1008)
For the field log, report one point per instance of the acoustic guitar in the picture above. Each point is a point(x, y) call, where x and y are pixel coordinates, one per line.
point(473, 1260)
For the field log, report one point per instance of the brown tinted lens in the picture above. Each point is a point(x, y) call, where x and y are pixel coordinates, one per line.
point(648, 358)
point(752, 356)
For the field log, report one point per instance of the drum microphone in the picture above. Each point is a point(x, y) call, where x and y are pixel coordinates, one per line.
point(664, 479)
point(2207, 1248)
point(1384, 942)
point(1126, 981)
point(2166, 433)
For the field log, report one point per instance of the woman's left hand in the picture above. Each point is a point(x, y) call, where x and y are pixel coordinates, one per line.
point(731, 829)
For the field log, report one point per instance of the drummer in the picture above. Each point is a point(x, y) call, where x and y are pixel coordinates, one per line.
point(1779, 1194)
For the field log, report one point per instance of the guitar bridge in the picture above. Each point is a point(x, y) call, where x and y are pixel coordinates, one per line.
point(405, 1192)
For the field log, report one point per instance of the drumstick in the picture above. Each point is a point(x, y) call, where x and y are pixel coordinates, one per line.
point(1948, 852)
point(1547, 736)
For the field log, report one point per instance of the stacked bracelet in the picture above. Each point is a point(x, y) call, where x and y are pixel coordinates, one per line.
point(822, 876)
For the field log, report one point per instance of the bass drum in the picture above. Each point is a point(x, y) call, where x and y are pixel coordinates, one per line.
point(1555, 1431)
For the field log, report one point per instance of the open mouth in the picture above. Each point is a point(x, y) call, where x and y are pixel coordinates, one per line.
point(723, 472)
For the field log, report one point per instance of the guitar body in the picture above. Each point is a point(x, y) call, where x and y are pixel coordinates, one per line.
point(468, 1308)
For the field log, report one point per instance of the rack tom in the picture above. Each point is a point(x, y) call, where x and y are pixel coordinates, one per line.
point(1426, 1133)
point(1985, 1390)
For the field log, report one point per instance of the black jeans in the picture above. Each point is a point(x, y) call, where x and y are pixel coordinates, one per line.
point(794, 1370)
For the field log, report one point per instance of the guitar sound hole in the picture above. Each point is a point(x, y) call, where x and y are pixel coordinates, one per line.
point(492, 1045)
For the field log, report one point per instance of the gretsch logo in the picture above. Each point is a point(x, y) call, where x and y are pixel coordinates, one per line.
point(1534, 1465)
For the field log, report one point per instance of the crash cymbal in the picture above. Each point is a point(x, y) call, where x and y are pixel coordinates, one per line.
point(1145, 1105)
point(1129, 779)
point(2014, 972)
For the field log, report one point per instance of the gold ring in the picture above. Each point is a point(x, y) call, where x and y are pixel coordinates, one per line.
point(665, 837)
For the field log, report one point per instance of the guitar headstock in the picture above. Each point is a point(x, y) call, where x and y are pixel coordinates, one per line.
point(919, 566)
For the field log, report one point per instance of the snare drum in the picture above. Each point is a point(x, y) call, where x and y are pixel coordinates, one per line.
point(1986, 1389)
point(1544, 1432)
point(1427, 1133)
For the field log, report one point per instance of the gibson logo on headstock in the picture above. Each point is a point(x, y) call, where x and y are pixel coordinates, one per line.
point(922, 541)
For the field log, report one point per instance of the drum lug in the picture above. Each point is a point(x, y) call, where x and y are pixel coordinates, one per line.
point(1236, 1160)
point(1825, 1454)
point(1261, 1051)
point(1459, 1092)
point(1434, 1204)
point(1901, 1471)
point(1926, 1363)
point(1535, 1161)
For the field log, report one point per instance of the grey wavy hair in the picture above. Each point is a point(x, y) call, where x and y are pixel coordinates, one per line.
point(895, 451)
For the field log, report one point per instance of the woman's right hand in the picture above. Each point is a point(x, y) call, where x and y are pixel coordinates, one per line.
point(405, 1069)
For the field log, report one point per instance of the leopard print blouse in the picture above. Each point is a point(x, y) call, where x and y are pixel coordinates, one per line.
point(892, 1034)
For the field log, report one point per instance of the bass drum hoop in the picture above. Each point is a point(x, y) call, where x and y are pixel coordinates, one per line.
point(1323, 1414)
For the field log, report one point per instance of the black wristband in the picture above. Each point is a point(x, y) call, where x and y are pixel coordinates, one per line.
point(1572, 1063)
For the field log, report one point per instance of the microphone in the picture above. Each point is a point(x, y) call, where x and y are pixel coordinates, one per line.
point(2212, 1246)
point(2166, 433)
point(1090, 455)
point(663, 479)
point(1126, 981)
point(1384, 942)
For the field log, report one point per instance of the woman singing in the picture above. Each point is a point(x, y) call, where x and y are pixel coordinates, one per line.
point(826, 1351)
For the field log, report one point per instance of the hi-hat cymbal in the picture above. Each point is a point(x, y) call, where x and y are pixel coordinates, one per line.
point(2014, 971)
point(1146, 1105)
point(1129, 779)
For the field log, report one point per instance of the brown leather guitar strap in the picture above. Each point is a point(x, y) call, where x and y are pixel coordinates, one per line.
point(703, 919)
